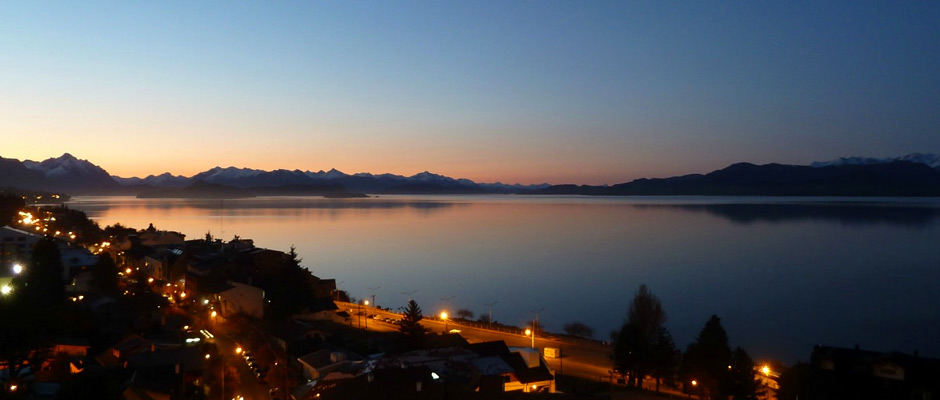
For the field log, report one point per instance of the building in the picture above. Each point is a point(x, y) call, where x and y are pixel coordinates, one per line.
point(322, 362)
point(16, 246)
point(840, 373)
point(241, 298)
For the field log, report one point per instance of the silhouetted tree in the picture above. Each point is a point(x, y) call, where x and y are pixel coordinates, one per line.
point(634, 344)
point(743, 385)
point(665, 357)
point(42, 279)
point(465, 314)
point(288, 288)
point(484, 318)
point(707, 359)
point(579, 329)
point(410, 325)
point(105, 275)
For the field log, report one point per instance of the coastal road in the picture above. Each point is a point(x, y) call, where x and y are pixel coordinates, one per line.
point(581, 358)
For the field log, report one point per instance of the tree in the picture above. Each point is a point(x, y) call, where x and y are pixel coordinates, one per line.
point(665, 357)
point(635, 342)
point(464, 313)
point(288, 288)
point(105, 275)
point(743, 384)
point(579, 329)
point(410, 325)
point(707, 359)
point(43, 283)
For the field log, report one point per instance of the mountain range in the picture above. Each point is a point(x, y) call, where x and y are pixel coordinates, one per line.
point(911, 175)
point(70, 174)
point(844, 177)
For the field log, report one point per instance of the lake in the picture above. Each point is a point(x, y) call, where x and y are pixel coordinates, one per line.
point(782, 273)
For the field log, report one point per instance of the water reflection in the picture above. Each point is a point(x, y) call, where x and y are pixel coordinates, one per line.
point(783, 276)
point(845, 213)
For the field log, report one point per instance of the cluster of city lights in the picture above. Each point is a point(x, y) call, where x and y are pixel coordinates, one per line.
point(41, 225)
point(97, 248)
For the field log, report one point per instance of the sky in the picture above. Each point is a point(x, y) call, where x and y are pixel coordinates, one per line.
point(587, 92)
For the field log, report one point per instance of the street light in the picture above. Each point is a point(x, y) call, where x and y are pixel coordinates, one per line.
point(6, 289)
point(490, 305)
point(444, 317)
point(17, 269)
point(531, 332)
point(366, 316)
point(372, 290)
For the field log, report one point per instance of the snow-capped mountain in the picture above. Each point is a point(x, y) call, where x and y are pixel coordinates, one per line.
point(70, 173)
point(932, 160)
point(64, 165)
point(163, 180)
point(364, 182)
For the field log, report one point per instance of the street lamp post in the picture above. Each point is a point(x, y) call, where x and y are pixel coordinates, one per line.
point(535, 325)
point(372, 290)
point(531, 333)
point(444, 317)
point(490, 305)
point(366, 316)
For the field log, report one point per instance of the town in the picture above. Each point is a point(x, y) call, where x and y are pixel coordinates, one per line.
point(126, 313)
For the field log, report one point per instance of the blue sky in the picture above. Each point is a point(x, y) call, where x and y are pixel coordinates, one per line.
point(522, 91)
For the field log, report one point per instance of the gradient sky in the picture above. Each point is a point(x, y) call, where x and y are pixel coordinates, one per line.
point(518, 91)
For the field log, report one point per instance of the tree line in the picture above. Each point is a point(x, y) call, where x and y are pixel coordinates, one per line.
point(708, 367)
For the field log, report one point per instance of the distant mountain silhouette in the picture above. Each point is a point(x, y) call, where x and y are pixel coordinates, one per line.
point(932, 160)
point(65, 173)
point(896, 178)
point(911, 175)
point(72, 175)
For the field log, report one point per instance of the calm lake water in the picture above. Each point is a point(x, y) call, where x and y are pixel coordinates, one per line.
point(782, 273)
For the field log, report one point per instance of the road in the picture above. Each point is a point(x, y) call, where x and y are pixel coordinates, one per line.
point(581, 358)
point(248, 386)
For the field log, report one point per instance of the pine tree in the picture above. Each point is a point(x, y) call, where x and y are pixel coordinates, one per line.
point(44, 285)
point(105, 275)
point(634, 344)
point(707, 360)
point(665, 357)
point(410, 325)
point(743, 383)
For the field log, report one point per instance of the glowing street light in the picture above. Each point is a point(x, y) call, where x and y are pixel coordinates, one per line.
point(765, 370)
point(238, 350)
point(6, 289)
point(531, 333)
point(17, 269)
point(444, 317)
